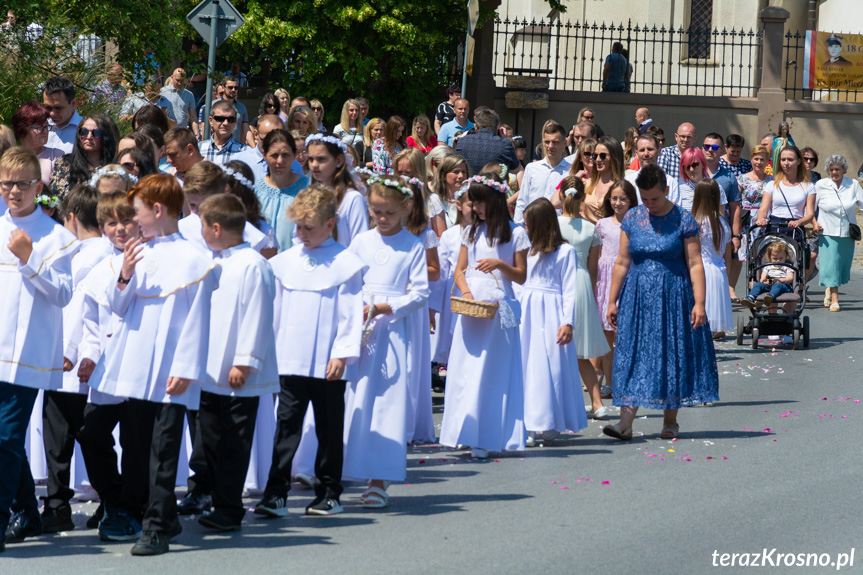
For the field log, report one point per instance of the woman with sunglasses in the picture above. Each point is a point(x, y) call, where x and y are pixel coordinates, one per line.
point(94, 147)
point(30, 126)
point(269, 105)
point(810, 160)
point(693, 169)
point(582, 164)
point(608, 168)
point(318, 111)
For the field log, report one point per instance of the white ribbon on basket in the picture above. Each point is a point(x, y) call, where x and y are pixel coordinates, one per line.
point(508, 318)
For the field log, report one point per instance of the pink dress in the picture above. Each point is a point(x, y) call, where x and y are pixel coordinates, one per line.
point(609, 233)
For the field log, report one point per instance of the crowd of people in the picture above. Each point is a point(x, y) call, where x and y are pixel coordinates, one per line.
point(285, 294)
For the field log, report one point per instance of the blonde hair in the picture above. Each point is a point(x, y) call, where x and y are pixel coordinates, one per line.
point(448, 164)
point(20, 158)
point(424, 120)
point(572, 202)
point(118, 174)
point(776, 247)
point(310, 116)
point(367, 131)
point(416, 160)
point(759, 149)
point(345, 121)
point(315, 203)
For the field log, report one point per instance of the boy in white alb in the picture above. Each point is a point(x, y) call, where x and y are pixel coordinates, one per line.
point(162, 293)
point(123, 498)
point(241, 365)
point(35, 284)
point(201, 181)
point(319, 317)
point(63, 410)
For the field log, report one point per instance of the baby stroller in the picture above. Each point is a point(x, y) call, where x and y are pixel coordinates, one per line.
point(761, 322)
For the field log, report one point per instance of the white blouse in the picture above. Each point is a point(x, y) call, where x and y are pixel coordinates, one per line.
point(789, 202)
point(837, 205)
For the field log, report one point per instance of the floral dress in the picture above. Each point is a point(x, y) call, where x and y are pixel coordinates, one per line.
point(750, 200)
point(381, 158)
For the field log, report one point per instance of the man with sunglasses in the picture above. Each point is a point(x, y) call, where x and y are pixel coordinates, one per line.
point(579, 133)
point(58, 96)
point(669, 159)
point(241, 128)
point(182, 101)
point(222, 147)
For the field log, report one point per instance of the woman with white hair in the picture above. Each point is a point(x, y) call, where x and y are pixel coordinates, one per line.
point(836, 199)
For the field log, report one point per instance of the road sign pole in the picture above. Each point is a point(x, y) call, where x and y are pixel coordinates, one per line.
point(211, 65)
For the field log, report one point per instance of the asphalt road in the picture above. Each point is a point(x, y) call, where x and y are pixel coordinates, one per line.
point(775, 464)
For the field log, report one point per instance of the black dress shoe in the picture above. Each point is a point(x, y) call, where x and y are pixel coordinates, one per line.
point(195, 504)
point(219, 521)
point(93, 521)
point(57, 520)
point(151, 543)
point(23, 525)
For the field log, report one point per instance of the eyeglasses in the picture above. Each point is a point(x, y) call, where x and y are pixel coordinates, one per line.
point(129, 165)
point(40, 129)
point(601, 156)
point(84, 132)
point(228, 119)
point(317, 109)
point(25, 185)
point(693, 165)
point(685, 137)
point(586, 117)
point(709, 147)
point(805, 159)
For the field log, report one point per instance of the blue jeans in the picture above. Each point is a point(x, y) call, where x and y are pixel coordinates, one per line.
point(775, 290)
point(17, 490)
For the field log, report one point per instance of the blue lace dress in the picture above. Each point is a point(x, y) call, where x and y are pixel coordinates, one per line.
point(660, 362)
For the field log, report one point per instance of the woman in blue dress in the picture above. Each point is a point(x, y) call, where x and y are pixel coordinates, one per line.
point(663, 356)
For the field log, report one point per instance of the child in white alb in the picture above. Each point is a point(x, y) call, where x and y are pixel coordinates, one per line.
point(36, 271)
point(318, 324)
point(241, 365)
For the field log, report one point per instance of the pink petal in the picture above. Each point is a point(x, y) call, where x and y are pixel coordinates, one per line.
point(564, 487)
point(554, 482)
point(606, 482)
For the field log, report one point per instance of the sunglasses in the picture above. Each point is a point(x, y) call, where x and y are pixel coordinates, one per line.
point(601, 156)
point(709, 147)
point(693, 165)
point(129, 165)
point(84, 132)
point(270, 106)
point(586, 117)
point(804, 159)
point(25, 185)
point(228, 119)
point(589, 155)
point(317, 109)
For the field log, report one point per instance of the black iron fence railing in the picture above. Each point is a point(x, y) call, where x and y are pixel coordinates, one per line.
point(694, 61)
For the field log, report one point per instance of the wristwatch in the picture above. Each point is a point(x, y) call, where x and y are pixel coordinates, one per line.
point(737, 236)
point(123, 281)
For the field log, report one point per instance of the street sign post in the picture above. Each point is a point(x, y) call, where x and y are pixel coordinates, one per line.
point(215, 21)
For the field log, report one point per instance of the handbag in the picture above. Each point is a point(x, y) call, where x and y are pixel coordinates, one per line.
point(853, 229)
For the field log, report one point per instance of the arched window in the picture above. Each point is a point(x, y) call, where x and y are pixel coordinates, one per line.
point(700, 28)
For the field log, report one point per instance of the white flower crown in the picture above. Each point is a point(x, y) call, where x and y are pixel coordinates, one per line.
point(105, 171)
point(496, 186)
point(391, 184)
point(329, 140)
point(48, 201)
point(238, 176)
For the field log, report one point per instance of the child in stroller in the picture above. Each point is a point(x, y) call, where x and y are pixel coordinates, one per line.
point(777, 278)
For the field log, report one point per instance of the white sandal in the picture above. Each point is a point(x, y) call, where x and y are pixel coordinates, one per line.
point(375, 498)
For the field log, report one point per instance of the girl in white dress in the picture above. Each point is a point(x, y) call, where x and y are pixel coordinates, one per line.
point(448, 251)
point(589, 340)
point(552, 389)
point(420, 425)
point(378, 402)
point(715, 235)
point(484, 401)
point(450, 172)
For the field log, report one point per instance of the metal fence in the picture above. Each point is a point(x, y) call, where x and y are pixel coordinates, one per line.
point(695, 61)
point(794, 50)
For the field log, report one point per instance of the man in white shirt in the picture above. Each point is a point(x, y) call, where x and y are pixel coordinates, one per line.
point(460, 124)
point(647, 150)
point(542, 178)
point(182, 101)
point(58, 96)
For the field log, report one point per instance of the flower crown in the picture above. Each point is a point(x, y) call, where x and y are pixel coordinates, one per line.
point(329, 140)
point(238, 176)
point(496, 186)
point(415, 182)
point(48, 201)
point(363, 170)
point(391, 184)
point(105, 171)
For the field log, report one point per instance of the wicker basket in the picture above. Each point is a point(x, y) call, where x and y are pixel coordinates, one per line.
point(471, 307)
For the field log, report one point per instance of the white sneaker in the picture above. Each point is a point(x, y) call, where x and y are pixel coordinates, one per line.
point(530, 441)
point(600, 414)
point(478, 453)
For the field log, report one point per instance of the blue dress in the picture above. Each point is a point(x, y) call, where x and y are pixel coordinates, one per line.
point(660, 362)
point(274, 208)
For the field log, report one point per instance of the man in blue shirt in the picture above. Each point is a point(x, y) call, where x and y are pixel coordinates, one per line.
point(460, 124)
point(486, 145)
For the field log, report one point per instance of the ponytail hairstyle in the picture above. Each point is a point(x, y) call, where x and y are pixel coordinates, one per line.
point(417, 220)
point(245, 193)
point(628, 189)
point(572, 200)
point(497, 219)
point(342, 180)
point(705, 206)
point(543, 229)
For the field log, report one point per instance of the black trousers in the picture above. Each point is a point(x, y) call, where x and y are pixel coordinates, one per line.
point(226, 427)
point(158, 443)
point(17, 490)
point(198, 481)
point(62, 418)
point(128, 492)
point(328, 401)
